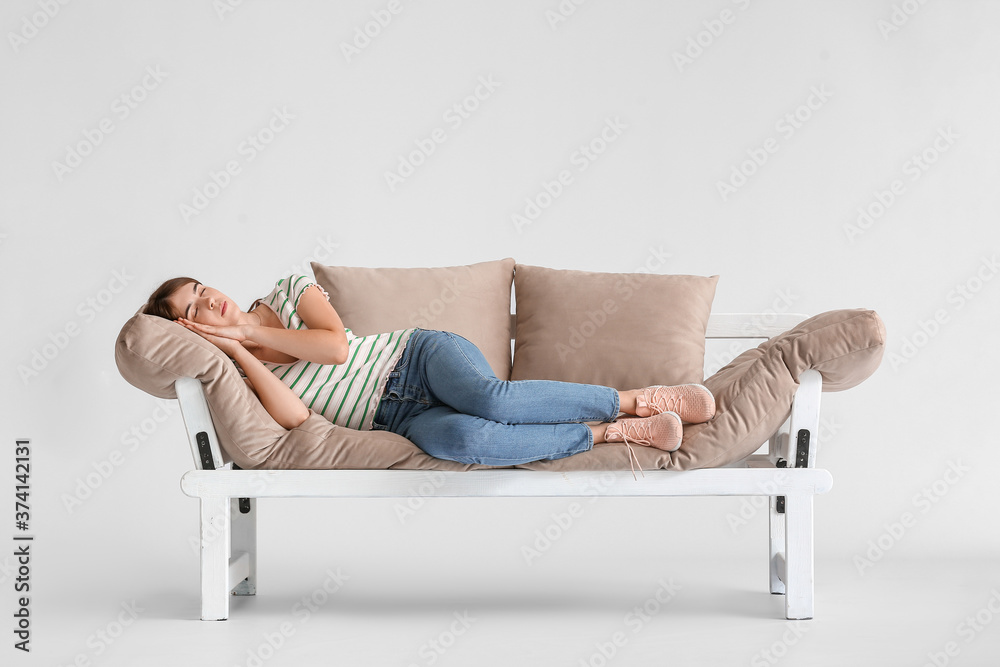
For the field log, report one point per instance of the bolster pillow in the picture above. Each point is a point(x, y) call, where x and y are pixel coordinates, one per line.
point(152, 353)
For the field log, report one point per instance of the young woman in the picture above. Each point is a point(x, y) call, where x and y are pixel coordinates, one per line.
point(433, 387)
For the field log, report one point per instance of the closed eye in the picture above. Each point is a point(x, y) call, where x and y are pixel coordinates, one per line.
point(203, 288)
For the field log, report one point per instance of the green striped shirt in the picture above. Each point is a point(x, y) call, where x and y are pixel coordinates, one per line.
point(347, 394)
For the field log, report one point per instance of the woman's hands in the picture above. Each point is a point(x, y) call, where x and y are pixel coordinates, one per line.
point(227, 339)
point(322, 341)
point(237, 333)
point(278, 399)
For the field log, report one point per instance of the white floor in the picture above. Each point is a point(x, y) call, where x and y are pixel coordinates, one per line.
point(692, 611)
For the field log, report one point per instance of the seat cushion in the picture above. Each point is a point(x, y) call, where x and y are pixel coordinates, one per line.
point(622, 330)
point(472, 301)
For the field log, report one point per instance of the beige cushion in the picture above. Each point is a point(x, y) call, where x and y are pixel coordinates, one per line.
point(472, 301)
point(622, 330)
point(152, 353)
point(754, 393)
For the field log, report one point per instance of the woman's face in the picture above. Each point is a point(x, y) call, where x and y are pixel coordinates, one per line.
point(205, 305)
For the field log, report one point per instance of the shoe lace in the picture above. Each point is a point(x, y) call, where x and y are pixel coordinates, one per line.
point(666, 403)
point(633, 458)
point(641, 430)
point(631, 454)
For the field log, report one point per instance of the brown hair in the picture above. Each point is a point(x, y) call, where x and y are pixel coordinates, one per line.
point(158, 304)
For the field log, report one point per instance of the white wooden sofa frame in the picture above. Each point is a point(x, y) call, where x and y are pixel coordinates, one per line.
point(787, 474)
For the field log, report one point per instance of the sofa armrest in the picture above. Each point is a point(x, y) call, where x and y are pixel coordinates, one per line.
point(198, 424)
point(797, 447)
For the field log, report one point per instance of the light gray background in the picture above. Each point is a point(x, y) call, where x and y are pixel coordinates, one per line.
point(82, 250)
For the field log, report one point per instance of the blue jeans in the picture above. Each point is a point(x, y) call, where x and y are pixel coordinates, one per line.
point(444, 397)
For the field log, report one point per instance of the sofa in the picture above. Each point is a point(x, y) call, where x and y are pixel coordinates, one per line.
point(625, 330)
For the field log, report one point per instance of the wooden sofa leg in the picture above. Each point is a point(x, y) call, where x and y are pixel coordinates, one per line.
point(799, 556)
point(216, 534)
point(244, 522)
point(776, 541)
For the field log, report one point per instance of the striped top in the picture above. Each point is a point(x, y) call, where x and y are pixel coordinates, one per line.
point(347, 394)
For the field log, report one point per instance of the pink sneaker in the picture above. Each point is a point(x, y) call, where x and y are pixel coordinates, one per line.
point(694, 403)
point(662, 431)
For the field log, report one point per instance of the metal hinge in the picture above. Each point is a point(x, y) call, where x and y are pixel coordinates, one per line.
point(244, 503)
point(802, 448)
point(779, 506)
point(204, 450)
